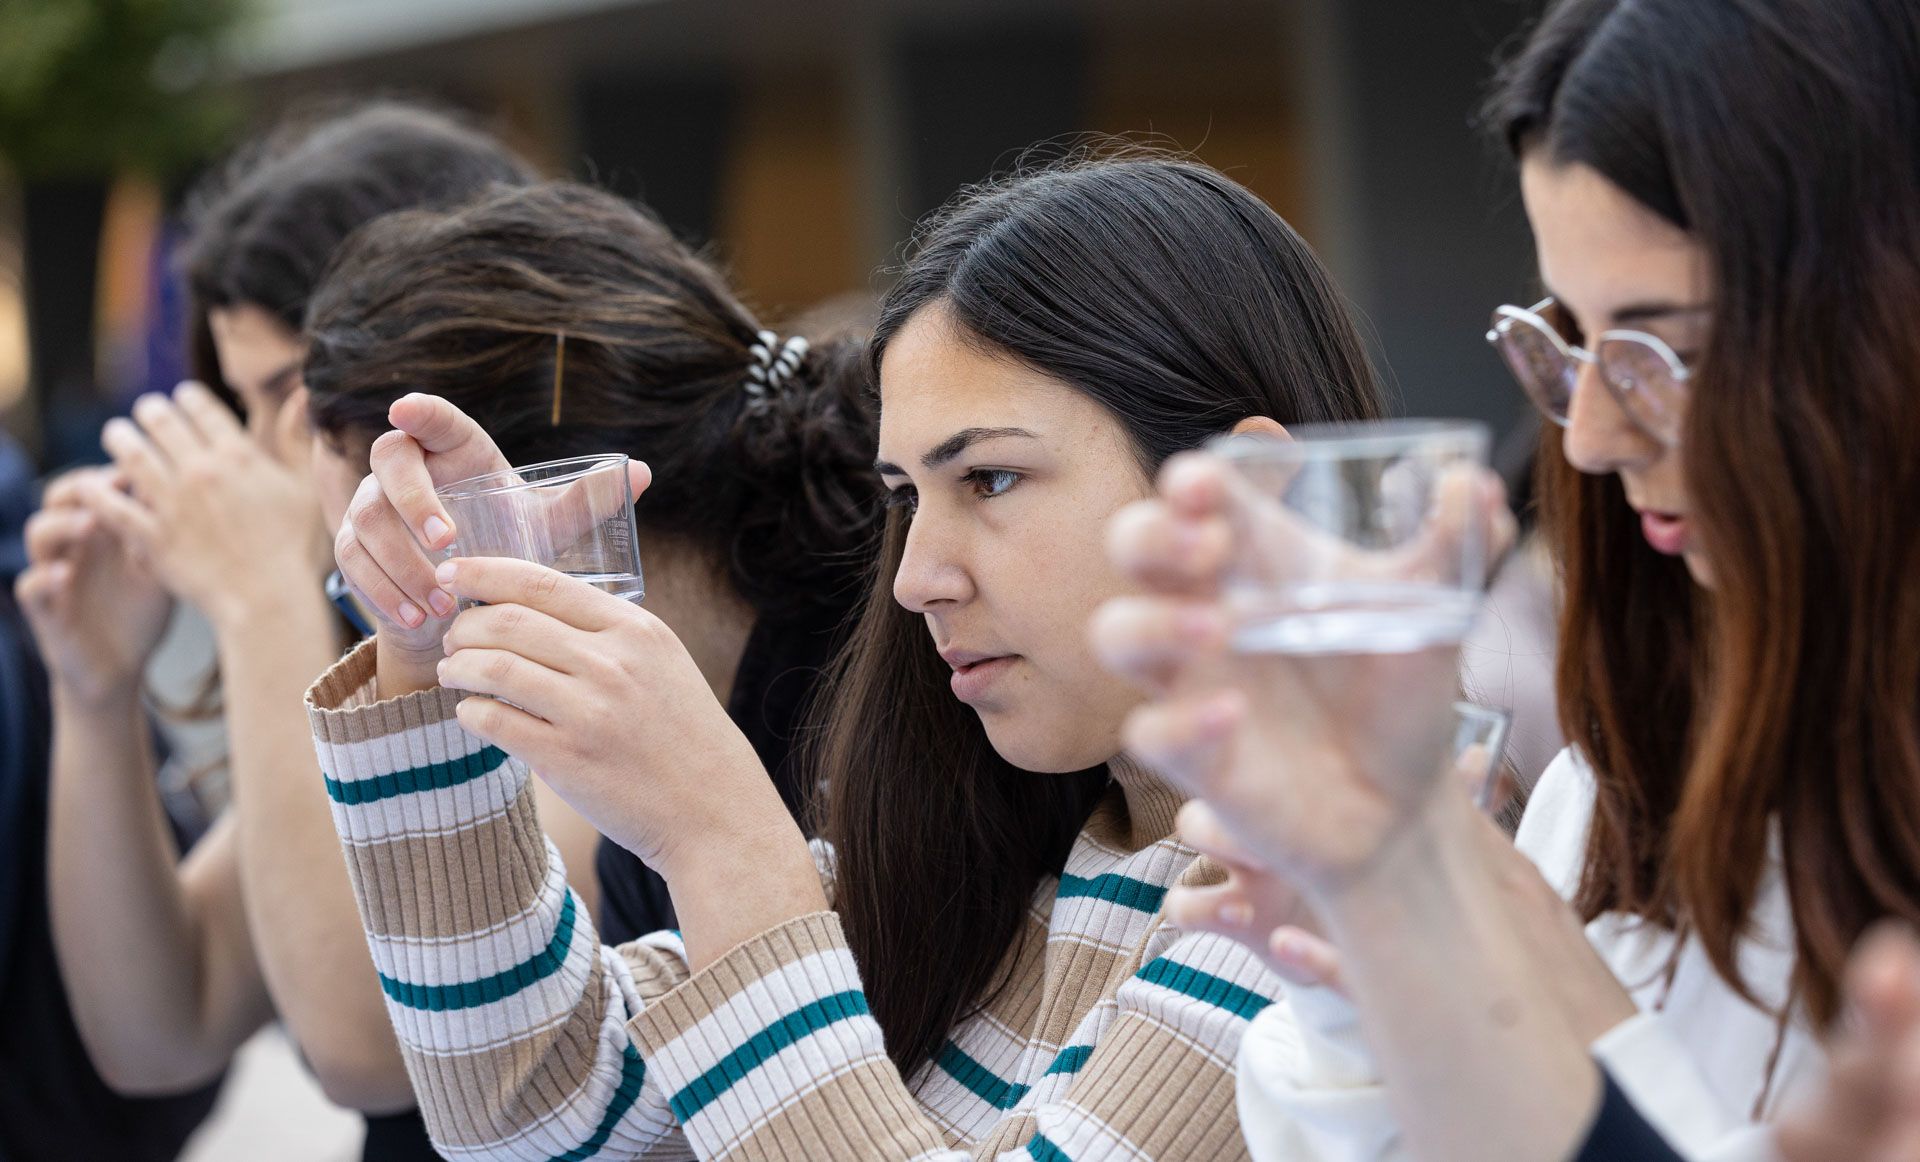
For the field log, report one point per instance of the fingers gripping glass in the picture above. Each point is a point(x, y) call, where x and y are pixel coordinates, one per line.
point(1640, 370)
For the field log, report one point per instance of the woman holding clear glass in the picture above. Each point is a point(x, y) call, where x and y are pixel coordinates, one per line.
point(1725, 195)
point(978, 966)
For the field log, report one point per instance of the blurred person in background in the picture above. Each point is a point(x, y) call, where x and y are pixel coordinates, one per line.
point(53, 1104)
point(172, 963)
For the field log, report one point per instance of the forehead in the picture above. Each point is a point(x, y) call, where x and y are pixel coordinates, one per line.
point(934, 383)
point(252, 343)
point(1600, 249)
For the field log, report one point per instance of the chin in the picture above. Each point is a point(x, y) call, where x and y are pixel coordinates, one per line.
point(1700, 568)
point(1041, 747)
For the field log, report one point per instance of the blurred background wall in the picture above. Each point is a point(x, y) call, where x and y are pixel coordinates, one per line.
point(800, 139)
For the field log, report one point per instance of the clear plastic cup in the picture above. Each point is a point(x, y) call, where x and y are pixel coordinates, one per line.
point(573, 515)
point(1358, 538)
point(1480, 752)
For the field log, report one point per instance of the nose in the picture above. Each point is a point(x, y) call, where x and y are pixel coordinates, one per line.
point(933, 574)
point(261, 424)
point(1600, 437)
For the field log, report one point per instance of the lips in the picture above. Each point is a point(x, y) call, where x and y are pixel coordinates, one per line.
point(1667, 532)
point(975, 672)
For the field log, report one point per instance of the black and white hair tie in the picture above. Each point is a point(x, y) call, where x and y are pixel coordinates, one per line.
point(773, 364)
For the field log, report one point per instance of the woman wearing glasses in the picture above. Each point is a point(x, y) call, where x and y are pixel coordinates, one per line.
point(1725, 195)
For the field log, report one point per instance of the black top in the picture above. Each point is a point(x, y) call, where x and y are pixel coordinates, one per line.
point(779, 671)
point(1620, 1134)
point(53, 1105)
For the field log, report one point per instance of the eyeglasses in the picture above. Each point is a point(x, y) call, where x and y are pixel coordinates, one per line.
point(1644, 375)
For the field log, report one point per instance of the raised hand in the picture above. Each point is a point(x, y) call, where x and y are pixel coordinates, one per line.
point(1311, 762)
point(222, 523)
point(95, 608)
point(602, 700)
point(1868, 1107)
point(396, 530)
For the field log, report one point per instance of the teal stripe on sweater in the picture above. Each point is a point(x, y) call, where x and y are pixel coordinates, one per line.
point(802, 1022)
point(1070, 1060)
point(986, 1085)
point(439, 998)
point(432, 777)
point(995, 1090)
point(1204, 987)
point(1114, 888)
point(633, 1073)
point(1042, 1149)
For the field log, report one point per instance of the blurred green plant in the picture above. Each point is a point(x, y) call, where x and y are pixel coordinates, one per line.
point(92, 87)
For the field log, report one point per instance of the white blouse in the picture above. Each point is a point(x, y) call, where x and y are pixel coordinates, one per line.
point(1694, 1061)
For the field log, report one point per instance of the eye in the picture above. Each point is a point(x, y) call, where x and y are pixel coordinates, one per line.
point(988, 483)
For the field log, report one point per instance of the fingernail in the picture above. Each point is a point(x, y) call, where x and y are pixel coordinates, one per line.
point(443, 605)
point(410, 615)
point(445, 573)
point(1236, 915)
point(440, 669)
point(435, 528)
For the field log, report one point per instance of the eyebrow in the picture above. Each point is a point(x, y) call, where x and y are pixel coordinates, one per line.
point(1648, 312)
point(952, 446)
point(280, 378)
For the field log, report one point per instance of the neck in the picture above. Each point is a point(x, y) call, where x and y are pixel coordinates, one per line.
point(692, 597)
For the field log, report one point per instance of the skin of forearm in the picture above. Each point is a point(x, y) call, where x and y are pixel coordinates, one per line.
point(306, 928)
point(727, 890)
point(1479, 1059)
point(155, 962)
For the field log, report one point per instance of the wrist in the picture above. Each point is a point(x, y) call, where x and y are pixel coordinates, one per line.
point(728, 889)
point(400, 669)
point(1415, 867)
point(268, 593)
point(115, 700)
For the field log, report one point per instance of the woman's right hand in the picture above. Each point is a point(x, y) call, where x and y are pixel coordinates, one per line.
point(395, 531)
point(96, 610)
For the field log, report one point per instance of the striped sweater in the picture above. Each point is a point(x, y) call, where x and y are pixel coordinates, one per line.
point(528, 1039)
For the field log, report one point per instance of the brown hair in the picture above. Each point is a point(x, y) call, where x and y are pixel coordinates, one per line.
point(265, 226)
point(470, 305)
point(1783, 135)
point(1179, 302)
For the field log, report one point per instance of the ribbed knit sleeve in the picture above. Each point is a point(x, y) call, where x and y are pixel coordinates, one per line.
point(511, 1016)
point(528, 1040)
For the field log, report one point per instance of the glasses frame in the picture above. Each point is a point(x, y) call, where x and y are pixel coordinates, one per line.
point(1624, 393)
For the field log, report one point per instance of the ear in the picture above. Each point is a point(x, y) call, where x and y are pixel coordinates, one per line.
point(1261, 426)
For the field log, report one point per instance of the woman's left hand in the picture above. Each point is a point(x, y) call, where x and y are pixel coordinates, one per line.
point(1252, 906)
point(601, 699)
point(222, 523)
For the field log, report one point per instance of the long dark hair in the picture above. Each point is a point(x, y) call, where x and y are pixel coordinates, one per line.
point(477, 305)
point(265, 226)
point(1784, 136)
point(1180, 303)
